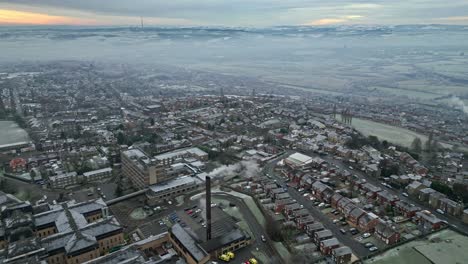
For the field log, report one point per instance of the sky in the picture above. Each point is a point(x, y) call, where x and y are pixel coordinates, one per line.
point(256, 13)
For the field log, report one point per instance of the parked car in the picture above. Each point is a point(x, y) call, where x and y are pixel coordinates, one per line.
point(353, 231)
point(405, 194)
point(369, 245)
point(366, 235)
point(343, 231)
point(440, 211)
point(335, 221)
point(263, 238)
point(372, 249)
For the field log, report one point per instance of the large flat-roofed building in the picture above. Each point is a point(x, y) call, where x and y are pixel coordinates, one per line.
point(64, 179)
point(141, 169)
point(175, 187)
point(97, 175)
point(298, 160)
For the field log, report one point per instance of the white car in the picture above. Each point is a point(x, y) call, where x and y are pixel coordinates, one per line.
point(372, 249)
point(405, 194)
point(366, 235)
point(440, 211)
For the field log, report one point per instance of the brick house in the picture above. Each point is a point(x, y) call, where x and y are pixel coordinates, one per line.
point(367, 222)
point(386, 233)
point(326, 246)
point(342, 255)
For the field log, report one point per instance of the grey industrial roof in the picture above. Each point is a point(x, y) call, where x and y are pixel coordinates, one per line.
point(226, 239)
point(127, 255)
point(174, 183)
point(81, 208)
point(188, 242)
point(71, 241)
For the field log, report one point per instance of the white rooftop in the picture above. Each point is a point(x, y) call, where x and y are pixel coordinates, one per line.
point(299, 159)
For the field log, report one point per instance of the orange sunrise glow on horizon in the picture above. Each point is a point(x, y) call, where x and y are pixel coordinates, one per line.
point(13, 17)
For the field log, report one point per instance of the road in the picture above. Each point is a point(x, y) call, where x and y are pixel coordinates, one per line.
point(255, 227)
point(346, 239)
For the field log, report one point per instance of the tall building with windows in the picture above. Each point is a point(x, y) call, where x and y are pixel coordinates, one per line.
point(141, 169)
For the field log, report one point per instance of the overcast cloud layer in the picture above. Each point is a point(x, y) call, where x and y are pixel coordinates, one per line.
point(243, 12)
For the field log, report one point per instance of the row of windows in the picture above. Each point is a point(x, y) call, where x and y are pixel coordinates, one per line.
point(177, 192)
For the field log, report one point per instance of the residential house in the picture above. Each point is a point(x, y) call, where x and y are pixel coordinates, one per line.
point(434, 199)
point(386, 198)
point(342, 255)
point(353, 217)
point(424, 194)
point(386, 233)
point(367, 222)
point(311, 229)
point(334, 200)
point(302, 222)
point(414, 188)
point(427, 220)
point(326, 246)
point(465, 216)
point(322, 235)
point(451, 207)
point(406, 209)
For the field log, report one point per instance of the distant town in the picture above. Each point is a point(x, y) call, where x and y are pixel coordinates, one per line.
point(120, 163)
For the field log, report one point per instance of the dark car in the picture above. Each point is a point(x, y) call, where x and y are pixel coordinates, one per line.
point(353, 231)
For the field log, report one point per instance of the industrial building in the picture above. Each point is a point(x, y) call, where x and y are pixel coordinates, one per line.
point(59, 233)
point(200, 241)
point(141, 169)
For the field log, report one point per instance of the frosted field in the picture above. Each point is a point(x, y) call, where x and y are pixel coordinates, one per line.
point(10, 133)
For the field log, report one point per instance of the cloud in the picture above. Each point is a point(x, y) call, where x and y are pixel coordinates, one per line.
point(325, 21)
point(455, 18)
point(14, 17)
point(333, 21)
point(249, 12)
point(363, 6)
